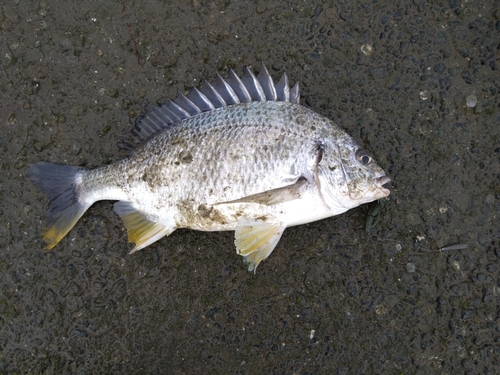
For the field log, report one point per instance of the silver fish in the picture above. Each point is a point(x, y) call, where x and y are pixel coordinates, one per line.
point(240, 154)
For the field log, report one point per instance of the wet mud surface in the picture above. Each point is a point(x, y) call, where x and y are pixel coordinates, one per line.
point(416, 84)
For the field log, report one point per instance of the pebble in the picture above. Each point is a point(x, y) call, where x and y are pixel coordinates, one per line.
point(410, 267)
point(471, 101)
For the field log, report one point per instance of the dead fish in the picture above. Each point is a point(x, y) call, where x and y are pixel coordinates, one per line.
point(237, 154)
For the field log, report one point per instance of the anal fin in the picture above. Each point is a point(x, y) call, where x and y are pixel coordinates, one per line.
point(256, 239)
point(141, 231)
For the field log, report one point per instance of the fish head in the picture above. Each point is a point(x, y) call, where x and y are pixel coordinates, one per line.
point(349, 176)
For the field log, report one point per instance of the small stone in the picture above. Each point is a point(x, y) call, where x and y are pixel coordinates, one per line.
point(367, 49)
point(471, 101)
point(410, 267)
point(424, 94)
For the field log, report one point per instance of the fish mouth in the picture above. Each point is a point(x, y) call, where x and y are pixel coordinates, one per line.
point(379, 182)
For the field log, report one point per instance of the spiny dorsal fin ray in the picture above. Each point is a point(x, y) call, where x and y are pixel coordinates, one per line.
point(282, 89)
point(295, 94)
point(239, 88)
point(253, 86)
point(212, 94)
point(174, 110)
point(219, 94)
point(201, 100)
point(187, 104)
point(267, 84)
point(225, 90)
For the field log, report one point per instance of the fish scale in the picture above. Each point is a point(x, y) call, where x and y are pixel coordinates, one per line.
point(224, 139)
point(240, 155)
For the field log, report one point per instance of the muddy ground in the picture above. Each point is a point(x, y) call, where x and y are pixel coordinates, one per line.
point(417, 84)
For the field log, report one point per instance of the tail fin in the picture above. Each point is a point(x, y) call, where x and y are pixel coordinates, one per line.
point(60, 184)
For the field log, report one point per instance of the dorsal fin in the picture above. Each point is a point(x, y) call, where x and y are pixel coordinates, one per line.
point(221, 93)
point(267, 84)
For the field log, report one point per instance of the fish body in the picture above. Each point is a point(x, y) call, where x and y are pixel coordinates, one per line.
point(240, 155)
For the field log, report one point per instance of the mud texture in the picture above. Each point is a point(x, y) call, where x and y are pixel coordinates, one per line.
point(416, 82)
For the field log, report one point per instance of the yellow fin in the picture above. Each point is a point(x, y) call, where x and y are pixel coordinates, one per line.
point(60, 183)
point(141, 231)
point(57, 229)
point(256, 239)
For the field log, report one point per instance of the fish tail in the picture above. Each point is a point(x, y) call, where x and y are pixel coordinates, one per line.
point(60, 183)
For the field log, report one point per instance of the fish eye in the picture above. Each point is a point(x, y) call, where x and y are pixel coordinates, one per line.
point(364, 157)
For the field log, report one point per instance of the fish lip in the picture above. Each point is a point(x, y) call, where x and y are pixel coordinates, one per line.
point(380, 181)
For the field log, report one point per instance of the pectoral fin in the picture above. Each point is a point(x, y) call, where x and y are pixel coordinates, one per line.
point(256, 239)
point(273, 196)
point(141, 231)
